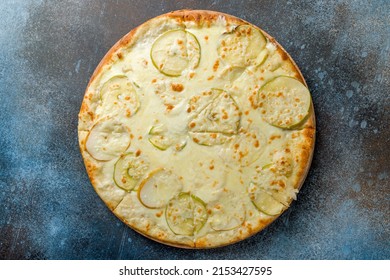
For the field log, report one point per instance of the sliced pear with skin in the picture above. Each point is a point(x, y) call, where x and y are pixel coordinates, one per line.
point(274, 184)
point(158, 129)
point(174, 51)
point(271, 63)
point(261, 58)
point(158, 188)
point(241, 47)
point(264, 201)
point(227, 213)
point(277, 188)
point(218, 119)
point(186, 214)
point(128, 170)
point(160, 138)
point(107, 139)
point(161, 142)
point(244, 148)
point(117, 94)
point(285, 102)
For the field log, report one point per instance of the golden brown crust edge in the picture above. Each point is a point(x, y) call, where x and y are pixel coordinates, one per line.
point(201, 18)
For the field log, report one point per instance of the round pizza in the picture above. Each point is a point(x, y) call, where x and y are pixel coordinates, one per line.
point(197, 129)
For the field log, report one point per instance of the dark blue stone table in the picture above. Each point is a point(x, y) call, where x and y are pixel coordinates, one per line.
point(48, 208)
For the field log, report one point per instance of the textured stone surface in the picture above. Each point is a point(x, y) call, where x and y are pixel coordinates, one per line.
point(48, 51)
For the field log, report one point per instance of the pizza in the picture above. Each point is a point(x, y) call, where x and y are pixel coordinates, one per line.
point(197, 129)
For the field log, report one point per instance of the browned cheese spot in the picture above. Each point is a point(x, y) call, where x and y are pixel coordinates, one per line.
point(177, 87)
point(225, 116)
point(216, 65)
point(169, 107)
point(273, 137)
point(91, 115)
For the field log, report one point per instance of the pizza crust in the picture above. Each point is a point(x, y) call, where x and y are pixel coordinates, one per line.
point(124, 204)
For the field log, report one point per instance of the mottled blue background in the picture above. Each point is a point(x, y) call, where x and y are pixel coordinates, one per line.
point(48, 208)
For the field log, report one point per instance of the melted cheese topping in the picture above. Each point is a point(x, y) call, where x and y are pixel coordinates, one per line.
point(203, 127)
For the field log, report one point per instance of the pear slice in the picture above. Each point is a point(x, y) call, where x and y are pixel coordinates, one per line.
point(186, 214)
point(158, 188)
point(160, 138)
point(264, 201)
point(244, 149)
point(161, 142)
point(273, 183)
point(174, 51)
point(285, 102)
point(217, 120)
point(118, 94)
point(107, 139)
point(128, 170)
point(242, 46)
